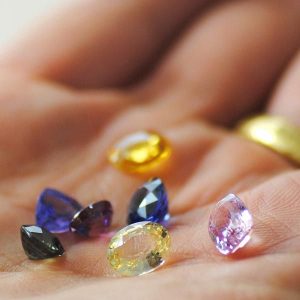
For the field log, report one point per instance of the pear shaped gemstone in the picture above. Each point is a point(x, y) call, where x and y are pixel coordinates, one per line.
point(139, 248)
point(149, 203)
point(55, 211)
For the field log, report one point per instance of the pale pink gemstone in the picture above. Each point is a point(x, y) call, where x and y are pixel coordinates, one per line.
point(230, 224)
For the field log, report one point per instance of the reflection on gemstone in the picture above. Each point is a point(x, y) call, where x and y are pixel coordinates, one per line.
point(93, 220)
point(149, 203)
point(55, 210)
point(39, 243)
point(139, 152)
point(230, 224)
point(139, 248)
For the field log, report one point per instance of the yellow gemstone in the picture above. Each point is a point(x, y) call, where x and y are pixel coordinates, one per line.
point(139, 248)
point(139, 152)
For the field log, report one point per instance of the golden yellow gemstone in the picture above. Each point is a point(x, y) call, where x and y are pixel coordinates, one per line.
point(139, 248)
point(139, 152)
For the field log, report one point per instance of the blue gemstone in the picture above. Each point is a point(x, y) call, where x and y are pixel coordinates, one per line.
point(55, 211)
point(149, 203)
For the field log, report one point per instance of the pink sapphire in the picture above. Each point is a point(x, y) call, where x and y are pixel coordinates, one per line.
point(230, 224)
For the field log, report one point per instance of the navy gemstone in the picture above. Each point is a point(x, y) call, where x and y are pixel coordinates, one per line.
point(149, 203)
point(55, 211)
point(93, 220)
point(39, 243)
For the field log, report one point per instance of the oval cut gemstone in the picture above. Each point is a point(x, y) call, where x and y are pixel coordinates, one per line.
point(139, 248)
point(39, 243)
point(55, 211)
point(139, 152)
point(93, 220)
point(230, 224)
point(149, 203)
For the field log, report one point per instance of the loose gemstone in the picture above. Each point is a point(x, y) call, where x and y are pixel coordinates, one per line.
point(139, 248)
point(39, 243)
point(149, 203)
point(55, 211)
point(93, 220)
point(139, 152)
point(230, 224)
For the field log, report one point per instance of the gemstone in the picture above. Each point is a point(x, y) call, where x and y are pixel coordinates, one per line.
point(230, 224)
point(149, 203)
point(55, 211)
point(39, 243)
point(139, 152)
point(139, 248)
point(93, 220)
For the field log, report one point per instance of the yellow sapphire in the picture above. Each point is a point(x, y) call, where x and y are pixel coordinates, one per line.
point(139, 152)
point(139, 248)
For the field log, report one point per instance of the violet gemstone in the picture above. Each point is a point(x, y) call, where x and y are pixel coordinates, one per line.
point(55, 211)
point(149, 203)
point(93, 220)
point(230, 224)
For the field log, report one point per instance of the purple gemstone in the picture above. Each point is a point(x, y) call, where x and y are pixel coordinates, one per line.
point(93, 220)
point(55, 211)
point(230, 224)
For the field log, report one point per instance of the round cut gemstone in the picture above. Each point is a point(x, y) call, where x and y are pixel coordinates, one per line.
point(39, 243)
point(55, 211)
point(139, 152)
point(139, 248)
point(230, 224)
point(149, 203)
point(93, 220)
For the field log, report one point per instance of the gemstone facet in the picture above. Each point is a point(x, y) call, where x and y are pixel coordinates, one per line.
point(149, 203)
point(139, 248)
point(230, 224)
point(39, 243)
point(55, 211)
point(93, 220)
point(139, 152)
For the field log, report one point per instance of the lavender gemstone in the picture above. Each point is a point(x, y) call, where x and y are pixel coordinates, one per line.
point(230, 224)
point(55, 211)
point(93, 220)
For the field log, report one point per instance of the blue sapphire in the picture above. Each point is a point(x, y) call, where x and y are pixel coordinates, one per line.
point(149, 203)
point(55, 211)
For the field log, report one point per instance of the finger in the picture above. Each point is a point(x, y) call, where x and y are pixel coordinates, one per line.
point(286, 99)
point(100, 43)
point(224, 66)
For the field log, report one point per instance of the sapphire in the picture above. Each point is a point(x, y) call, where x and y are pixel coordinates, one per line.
point(55, 211)
point(149, 203)
point(39, 243)
point(93, 220)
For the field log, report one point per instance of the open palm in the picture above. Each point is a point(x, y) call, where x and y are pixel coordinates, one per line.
point(83, 80)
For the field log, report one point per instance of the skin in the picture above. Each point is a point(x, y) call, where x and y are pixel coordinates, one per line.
point(188, 69)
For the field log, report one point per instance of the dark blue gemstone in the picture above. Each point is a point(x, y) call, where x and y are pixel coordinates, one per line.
point(55, 210)
point(39, 243)
point(149, 203)
point(93, 220)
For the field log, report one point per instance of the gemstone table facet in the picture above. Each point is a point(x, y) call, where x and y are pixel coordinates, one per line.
point(149, 203)
point(139, 152)
point(55, 211)
point(139, 248)
point(39, 243)
point(93, 220)
point(230, 224)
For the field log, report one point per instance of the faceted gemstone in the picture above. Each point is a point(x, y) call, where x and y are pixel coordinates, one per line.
point(149, 203)
point(93, 220)
point(139, 248)
point(39, 243)
point(230, 224)
point(55, 211)
point(139, 152)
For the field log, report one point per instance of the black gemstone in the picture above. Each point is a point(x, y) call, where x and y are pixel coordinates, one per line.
point(93, 220)
point(39, 243)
